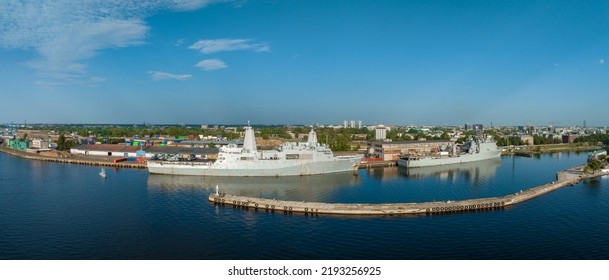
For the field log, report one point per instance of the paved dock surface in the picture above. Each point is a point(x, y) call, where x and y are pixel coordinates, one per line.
point(77, 159)
point(564, 178)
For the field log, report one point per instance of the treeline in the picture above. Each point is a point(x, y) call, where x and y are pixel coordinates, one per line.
point(121, 132)
point(593, 139)
point(338, 139)
point(274, 132)
point(540, 140)
point(516, 141)
point(508, 141)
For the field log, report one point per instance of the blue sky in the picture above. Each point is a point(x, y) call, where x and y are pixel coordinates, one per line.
point(302, 62)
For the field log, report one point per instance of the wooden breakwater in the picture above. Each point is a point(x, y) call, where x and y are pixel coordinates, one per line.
point(564, 178)
point(83, 161)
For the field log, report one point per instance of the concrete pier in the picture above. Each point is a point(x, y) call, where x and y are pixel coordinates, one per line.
point(565, 178)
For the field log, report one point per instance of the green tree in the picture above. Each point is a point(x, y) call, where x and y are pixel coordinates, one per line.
point(61, 142)
point(69, 144)
point(595, 165)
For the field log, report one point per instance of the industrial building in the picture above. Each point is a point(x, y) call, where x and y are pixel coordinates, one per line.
point(110, 150)
point(392, 150)
point(19, 144)
point(569, 138)
point(527, 139)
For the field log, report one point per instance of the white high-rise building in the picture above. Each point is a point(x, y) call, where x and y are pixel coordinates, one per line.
point(345, 123)
point(352, 124)
point(359, 124)
point(381, 132)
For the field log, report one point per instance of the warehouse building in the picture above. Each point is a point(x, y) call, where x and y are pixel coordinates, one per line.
point(392, 150)
point(109, 150)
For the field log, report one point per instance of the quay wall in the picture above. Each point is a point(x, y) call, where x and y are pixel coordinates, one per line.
point(375, 164)
point(90, 160)
point(564, 178)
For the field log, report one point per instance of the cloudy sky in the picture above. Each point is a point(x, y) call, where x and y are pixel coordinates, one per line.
point(301, 62)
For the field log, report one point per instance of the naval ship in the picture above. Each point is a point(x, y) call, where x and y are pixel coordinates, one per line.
point(291, 159)
point(472, 150)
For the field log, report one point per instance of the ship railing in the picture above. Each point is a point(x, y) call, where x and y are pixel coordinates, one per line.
point(346, 157)
point(184, 163)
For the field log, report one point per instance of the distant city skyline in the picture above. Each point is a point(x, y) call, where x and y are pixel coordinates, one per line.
point(303, 62)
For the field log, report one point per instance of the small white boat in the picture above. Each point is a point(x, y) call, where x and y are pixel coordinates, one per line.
point(102, 173)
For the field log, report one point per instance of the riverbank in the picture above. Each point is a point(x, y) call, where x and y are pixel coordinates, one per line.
point(565, 178)
point(549, 148)
point(76, 159)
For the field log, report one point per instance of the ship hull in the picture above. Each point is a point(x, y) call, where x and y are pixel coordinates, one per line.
point(256, 168)
point(431, 161)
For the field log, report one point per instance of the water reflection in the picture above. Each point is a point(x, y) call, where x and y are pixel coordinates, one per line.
point(472, 171)
point(301, 187)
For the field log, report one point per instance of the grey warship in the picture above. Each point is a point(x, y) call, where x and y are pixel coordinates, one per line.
point(472, 150)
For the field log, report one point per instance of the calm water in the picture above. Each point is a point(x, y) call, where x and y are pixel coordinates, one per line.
point(59, 211)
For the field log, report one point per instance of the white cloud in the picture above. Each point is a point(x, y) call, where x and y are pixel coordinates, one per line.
point(97, 80)
point(601, 61)
point(49, 84)
point(64, 32)
point(222, 45)
point(211, 64)
point(186, 5)
point(178, 42)
point(159, 76)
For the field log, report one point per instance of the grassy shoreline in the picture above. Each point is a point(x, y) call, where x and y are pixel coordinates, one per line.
point(550, 148)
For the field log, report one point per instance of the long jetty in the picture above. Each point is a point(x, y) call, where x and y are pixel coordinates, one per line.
point(565, 178)
point(70, 160)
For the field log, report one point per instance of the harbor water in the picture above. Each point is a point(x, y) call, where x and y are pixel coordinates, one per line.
point(62, 211)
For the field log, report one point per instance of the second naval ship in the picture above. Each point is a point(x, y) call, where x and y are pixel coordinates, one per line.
point(472, 150)
point(291, 159)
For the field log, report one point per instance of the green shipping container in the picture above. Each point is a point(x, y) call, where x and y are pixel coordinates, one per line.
point(135, 143)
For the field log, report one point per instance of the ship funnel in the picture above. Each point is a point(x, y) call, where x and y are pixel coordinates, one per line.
point(249, 142)
point(312, 138)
